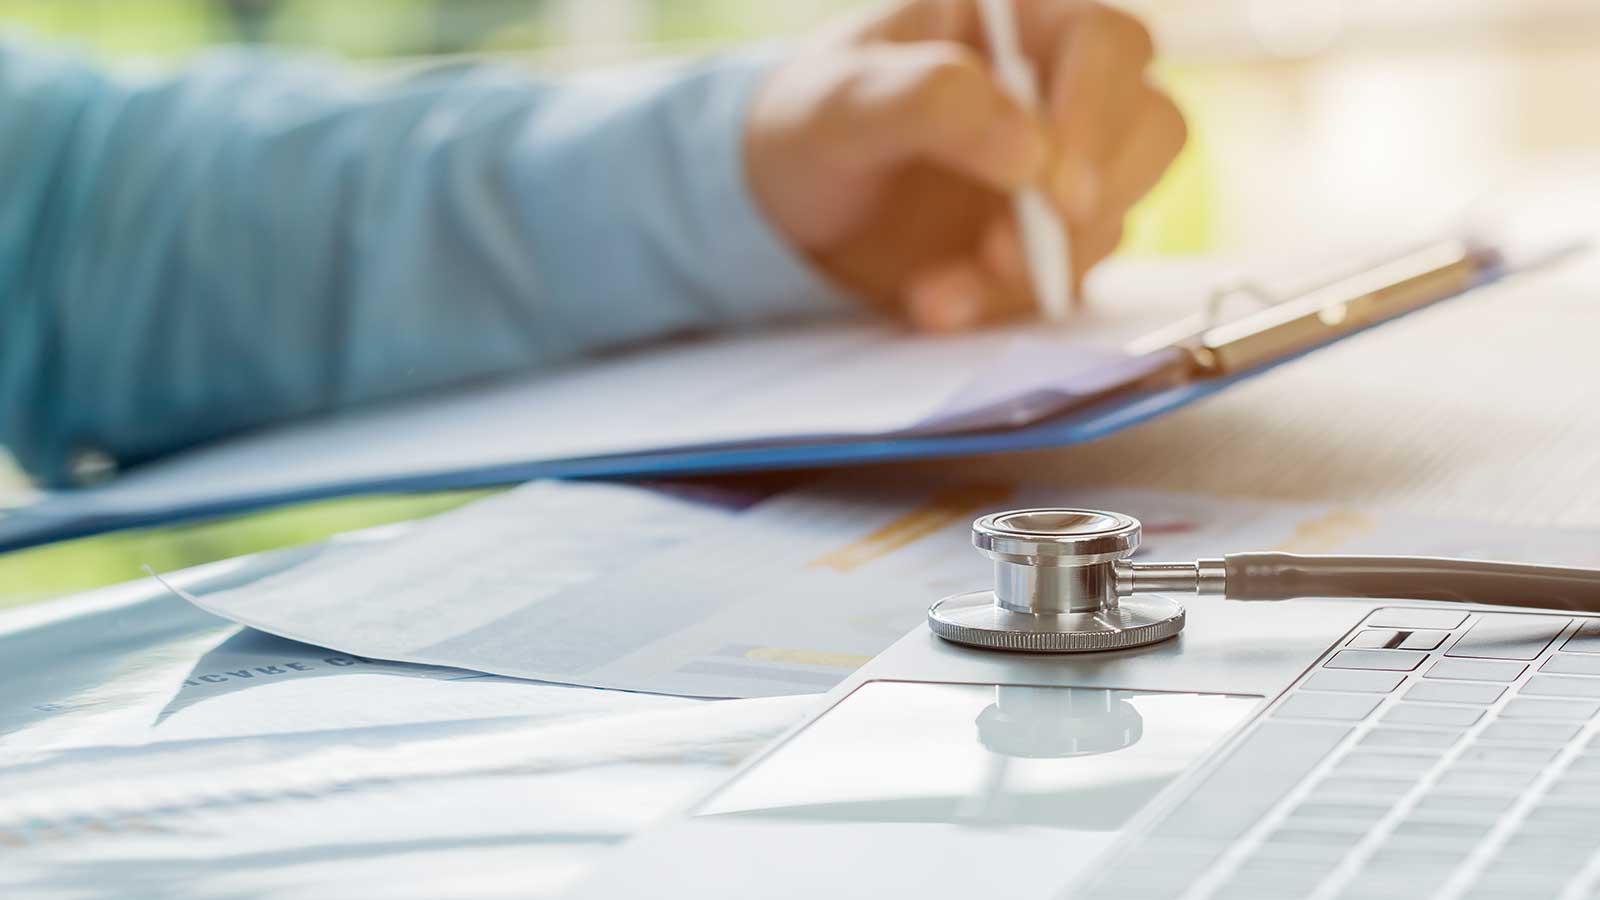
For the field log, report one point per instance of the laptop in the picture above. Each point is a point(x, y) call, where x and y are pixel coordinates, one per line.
point(1315, 748)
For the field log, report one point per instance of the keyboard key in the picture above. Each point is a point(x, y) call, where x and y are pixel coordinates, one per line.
point(1373, 762)
point(1470, 805)
point(1494, 892)
point(1383, 660)
point(1353, 680)
point(1556, 868)
point(1575, 710)
point(1339, 707)
point(1523, 884)
point(1279, 871)
point(1509, 636)
point(1561, 686)
point(1411, 617)
point(1415, 855)
point(1264, 765)
point(1341, 797)
point(1274, 877)
point(1231, 891)
point(1458, 832)
point(1259, 888)
point(1403, 737)
point(1391, 639)
point(1547, 846)
point(1315, 837)
point(1302, 862)
point(1533, 844)
point(1355, 809)
point(1475, 670)
point(1576, 784)
point(1486, 781)
point(1307, 854)
point(1336, 786)
point(1502, 755)
point(1587, 638)
point(1324, 823)
point(1529, 732)
point(1391, 886)
point(1455, 692)
point(1557, 818)
point(1571, 664)
point(1426, 714)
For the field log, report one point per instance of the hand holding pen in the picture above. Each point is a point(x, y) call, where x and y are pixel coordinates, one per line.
point(890, 151)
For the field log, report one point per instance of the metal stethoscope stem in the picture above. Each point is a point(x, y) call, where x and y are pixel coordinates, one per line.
point(1205, 578)
point(1063, 583)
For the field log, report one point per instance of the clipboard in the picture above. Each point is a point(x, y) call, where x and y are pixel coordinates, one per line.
point(1201, 355)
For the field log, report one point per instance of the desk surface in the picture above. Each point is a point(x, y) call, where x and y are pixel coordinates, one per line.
point(1484, 407)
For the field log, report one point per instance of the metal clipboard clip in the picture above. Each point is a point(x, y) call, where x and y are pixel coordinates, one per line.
point(1215, 345)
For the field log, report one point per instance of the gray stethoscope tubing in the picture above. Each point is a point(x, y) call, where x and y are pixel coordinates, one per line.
point(1063, 583)
point(1284, 576)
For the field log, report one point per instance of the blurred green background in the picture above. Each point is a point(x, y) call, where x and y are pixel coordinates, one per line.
point(1326, 124)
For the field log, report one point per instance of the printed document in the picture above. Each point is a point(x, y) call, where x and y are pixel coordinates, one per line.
point(789, 596)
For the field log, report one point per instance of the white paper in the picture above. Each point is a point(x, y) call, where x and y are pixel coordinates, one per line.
point(789, 597)
point(176, 679)
point(569, 583)
point(519, 810)
point(150, 749)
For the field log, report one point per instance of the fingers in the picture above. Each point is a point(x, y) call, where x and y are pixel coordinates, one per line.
point(994, 285)
point(1095, 79)
point(893, 103)
point(1099, 107)
point(918, 86)
point(963, 293)
point(1092, 244)
point(1006, 264)
point(959, 296)
point(947, 298)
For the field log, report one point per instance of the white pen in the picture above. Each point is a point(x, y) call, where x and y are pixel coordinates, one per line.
point(1044, 237)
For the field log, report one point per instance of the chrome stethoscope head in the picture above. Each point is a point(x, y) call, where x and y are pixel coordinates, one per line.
point(1056, 587)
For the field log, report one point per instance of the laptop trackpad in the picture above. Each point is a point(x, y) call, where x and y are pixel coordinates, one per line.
point(944, 771)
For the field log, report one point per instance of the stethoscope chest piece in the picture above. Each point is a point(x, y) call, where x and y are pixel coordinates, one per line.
point(1055, 588)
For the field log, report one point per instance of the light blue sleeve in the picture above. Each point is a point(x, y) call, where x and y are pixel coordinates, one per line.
point(257, 238)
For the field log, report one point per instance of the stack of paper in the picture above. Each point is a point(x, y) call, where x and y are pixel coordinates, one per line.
point(554, 581)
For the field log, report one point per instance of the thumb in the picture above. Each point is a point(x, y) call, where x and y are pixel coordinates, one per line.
point(936, 101)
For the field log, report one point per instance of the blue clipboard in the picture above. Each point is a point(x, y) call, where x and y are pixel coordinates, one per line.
point(31, 526)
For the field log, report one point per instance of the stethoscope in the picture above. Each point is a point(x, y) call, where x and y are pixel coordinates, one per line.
point(1063, 583)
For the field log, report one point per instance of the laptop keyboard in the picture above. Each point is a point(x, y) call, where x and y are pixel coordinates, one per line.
point(1433, 753)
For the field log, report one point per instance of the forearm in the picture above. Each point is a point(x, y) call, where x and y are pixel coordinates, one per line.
point(256, 239)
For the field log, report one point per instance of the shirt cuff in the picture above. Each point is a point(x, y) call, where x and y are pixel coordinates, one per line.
point(757, 274)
